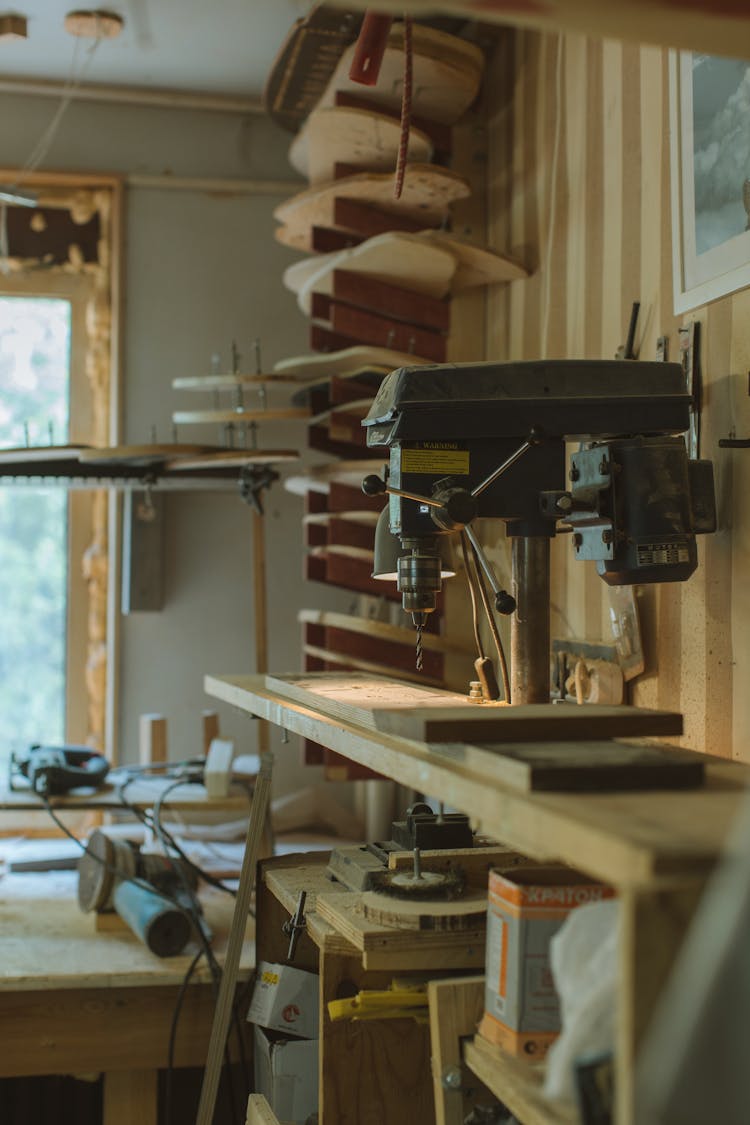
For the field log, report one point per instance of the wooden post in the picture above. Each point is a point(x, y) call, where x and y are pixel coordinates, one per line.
point(152, 739)
point(210, 721)
point(456, 1006)
point(130, 1095)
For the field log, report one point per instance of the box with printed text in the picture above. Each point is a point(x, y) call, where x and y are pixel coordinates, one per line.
point(285, 999)
point(527, 906)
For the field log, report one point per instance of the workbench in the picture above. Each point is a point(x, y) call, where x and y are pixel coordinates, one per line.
point(655, 848)
point(77, 1001)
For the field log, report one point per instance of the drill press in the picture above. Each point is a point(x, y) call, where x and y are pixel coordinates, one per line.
point(488, 440)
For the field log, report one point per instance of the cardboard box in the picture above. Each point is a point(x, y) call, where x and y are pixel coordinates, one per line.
point(527, 906)
point(286, 1073)
point(285, 999)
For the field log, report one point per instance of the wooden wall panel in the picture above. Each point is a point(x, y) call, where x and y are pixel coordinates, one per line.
point(580, 190)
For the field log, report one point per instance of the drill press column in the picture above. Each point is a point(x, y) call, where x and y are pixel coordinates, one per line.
point(529, 628)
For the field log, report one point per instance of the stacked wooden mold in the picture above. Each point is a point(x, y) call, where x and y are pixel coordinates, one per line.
point(377, 284)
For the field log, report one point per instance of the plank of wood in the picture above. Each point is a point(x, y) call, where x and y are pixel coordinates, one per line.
point(361, 137)
point(393, 257)
point(227, 382)
point(233, 459)
point(356, 409)
point(268, 414)
point(154, 453)
point(36, 453)
point(624, 839)
point(447, 73)
point(152, 739)
point(427, 195)
point(348, 362)
point(518, 1083)
point(456, 1006)
point(428, 715)
point(475, 863)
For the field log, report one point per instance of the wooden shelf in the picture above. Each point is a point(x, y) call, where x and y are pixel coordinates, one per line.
point(626, 839)
point(517, 1084)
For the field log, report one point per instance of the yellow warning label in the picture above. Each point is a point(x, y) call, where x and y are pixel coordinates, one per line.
point(449, 461)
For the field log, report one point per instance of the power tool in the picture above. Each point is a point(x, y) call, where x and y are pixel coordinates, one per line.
point(53, 770)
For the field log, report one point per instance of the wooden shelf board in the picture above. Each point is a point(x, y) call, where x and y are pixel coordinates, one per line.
point(627, 839)
point(517, 1084)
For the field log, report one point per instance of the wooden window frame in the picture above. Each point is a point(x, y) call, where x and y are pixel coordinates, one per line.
point(94, 289)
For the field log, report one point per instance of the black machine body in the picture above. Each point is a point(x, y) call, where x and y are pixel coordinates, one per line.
point(450, 427)
point(54, 770)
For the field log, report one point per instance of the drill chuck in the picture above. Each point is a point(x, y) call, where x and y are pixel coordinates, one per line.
point(419, 581)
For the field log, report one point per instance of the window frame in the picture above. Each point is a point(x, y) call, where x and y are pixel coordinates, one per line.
point(93, 516)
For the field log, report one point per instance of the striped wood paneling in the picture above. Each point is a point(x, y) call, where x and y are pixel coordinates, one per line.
point(579, 189)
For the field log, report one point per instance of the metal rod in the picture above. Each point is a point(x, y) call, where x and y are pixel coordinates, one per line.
point(413, 496)
point(501, 469)
point(484, 561)
point(530, 632)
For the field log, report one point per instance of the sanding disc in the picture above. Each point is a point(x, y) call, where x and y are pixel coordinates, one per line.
point(466, 913)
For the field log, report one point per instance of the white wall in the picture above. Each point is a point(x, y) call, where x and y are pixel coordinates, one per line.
point(201, 270)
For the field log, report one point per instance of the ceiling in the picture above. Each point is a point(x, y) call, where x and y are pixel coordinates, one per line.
point(217, 46)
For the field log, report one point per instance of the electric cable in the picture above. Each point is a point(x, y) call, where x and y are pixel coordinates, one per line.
point(173, 1037)
point(471, 583)
point(493, 628)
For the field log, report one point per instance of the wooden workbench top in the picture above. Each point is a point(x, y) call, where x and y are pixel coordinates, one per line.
point(623, 838)
point(47, 943)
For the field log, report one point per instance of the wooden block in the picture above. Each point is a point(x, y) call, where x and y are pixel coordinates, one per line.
point(366, 220)
point(130, 1095)
point(391, 300)
point(368, 328)
point(456, 1006)
point(152, 739)
point(210, 723)
point(326, 240)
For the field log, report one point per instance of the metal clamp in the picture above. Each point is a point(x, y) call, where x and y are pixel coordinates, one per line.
point(295, 926)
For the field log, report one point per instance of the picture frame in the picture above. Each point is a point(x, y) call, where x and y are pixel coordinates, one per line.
point(709, 100)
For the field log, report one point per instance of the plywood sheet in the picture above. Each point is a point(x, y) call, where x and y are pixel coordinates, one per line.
point(428, 192)
point(429, 715)
point(337, 135)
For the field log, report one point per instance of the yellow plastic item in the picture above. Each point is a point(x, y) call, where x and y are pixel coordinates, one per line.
point(402, 1000)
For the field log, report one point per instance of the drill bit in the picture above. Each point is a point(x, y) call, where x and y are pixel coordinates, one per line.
point(419, 646)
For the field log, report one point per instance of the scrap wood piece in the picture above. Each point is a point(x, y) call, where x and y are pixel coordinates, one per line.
point(348, 361)
point(361, 137)
point(434, 716)
point(427, 195)
point(447, 74)
point(153, 453)
point(232, 459)
point(475, 265)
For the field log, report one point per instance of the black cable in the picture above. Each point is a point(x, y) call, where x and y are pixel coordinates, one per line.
point(470, 581)
point(173, 1037)
point(493, 627)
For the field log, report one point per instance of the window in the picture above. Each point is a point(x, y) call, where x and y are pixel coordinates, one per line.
point(57, 339)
